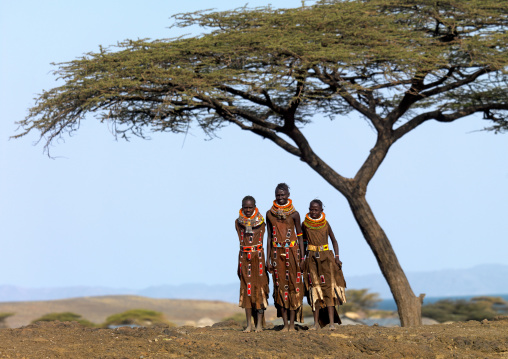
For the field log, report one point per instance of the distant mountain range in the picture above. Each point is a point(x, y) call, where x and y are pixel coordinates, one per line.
point(480, 280)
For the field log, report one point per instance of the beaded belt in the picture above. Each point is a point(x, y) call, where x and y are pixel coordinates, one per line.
point(246, 249)
point(310, 247)
point(287, 244)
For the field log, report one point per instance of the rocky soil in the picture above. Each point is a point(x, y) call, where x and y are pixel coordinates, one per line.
point(486, 339)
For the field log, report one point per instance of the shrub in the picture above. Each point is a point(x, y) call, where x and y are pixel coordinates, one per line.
point(498, 304)
point(307, 311)
point(359, 300)
point(238, 317)
point(65, 317)
point(461, 310)
point(138, 317)
point(4, 316)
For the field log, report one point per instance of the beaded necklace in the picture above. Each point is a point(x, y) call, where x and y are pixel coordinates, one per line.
point(315, 223)
point(249, 222)
point(281, 212)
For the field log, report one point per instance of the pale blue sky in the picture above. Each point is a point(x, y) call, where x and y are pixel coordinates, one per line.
point(141, 213)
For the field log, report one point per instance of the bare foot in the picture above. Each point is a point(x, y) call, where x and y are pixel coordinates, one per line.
point(292, 329)
point(247, 330)
point(332, 326)
point(314, 327)
point(286, 328)
point(258, 330)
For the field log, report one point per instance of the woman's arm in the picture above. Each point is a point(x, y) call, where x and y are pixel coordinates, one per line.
point(238, 270)
point(335, 246)
point(269, 246)
point(298, 227)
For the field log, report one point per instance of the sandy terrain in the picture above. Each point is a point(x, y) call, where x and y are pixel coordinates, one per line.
point(71, 340)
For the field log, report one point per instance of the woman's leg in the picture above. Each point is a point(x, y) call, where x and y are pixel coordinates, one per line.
point(248, 316)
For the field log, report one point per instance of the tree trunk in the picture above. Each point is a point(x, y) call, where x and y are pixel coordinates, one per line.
point(408, 305)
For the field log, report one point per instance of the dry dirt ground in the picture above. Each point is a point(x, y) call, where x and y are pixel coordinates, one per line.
point(487, 339)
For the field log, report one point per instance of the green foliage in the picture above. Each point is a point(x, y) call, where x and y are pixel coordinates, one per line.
point(259, 67)
point(497, 303)
point(141, 317)
point(307, 311)
point(359, 300)
point(4, 316)
point(64, 317)
point(238, 317)
point(461, 310)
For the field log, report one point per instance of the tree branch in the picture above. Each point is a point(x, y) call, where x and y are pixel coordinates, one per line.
point(415, 93)
point(373, 161)
point(342, 184)
point(331, 80)
point(265, 133)
point(290, 111)
point(438, 115)
point(456, 84)
point(257, 100)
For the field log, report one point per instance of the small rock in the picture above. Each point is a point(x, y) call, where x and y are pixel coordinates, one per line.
point(485, 321)
point(228, 324)
point(205, 322)
point(352, 315)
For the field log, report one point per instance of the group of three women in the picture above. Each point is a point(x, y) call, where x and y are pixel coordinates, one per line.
point(297, 256)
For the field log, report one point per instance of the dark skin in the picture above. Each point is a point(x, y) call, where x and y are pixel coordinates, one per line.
point(248, 209)
point(315, 211)
point(281, 198)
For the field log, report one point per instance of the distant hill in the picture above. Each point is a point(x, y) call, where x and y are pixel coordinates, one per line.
point(479, 280)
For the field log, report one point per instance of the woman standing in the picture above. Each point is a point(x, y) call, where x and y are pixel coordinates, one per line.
point(285, 257)
point(250, 227)
point(324, 279)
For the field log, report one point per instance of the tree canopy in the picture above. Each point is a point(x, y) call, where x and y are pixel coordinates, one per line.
point(398, 63)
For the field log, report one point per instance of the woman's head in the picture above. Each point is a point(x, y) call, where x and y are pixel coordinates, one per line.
point(315, 208)
point(248, 205)
point(282, 194)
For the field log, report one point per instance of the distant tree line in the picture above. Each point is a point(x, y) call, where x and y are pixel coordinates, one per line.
point(477, 308)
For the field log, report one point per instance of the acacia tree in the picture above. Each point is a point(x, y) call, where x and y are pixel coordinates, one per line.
point(397, 63)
